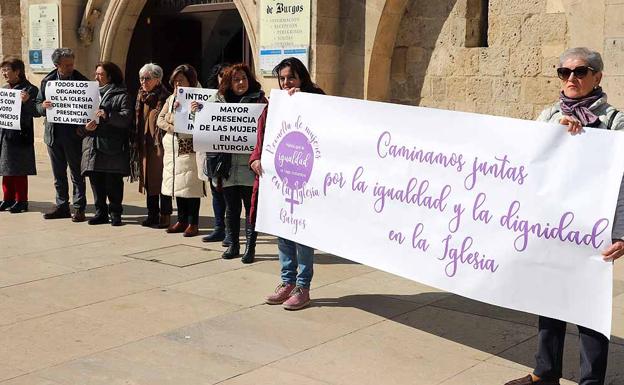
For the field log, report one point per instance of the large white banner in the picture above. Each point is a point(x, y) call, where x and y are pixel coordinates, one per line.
point(10, 109)
point(183, 117)
point(510, 212)
point(227, 127)
point(73, 101)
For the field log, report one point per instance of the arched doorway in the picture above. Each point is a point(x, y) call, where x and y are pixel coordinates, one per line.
point(200, 33)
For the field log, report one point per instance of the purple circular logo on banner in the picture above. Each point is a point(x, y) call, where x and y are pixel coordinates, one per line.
point(181, 91)
point(294, 159)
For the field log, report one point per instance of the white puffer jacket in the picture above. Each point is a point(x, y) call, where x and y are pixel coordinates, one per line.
point(180, 176)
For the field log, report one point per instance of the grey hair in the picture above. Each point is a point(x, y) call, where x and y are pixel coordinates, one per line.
point(61, 53)
point(592, 58)
point(154, 70)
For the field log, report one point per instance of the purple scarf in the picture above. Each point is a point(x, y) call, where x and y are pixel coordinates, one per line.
point(579, 108)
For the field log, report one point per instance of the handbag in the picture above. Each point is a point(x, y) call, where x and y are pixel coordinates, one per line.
point(217, 165)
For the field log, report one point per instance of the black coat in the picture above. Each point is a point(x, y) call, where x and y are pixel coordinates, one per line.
point(48, 133)
point(107, 148)
point(17, 151)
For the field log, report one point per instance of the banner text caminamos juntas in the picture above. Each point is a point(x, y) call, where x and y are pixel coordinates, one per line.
point(490, 208)
point(227, 127)
point(73, 101)
point(10, 109)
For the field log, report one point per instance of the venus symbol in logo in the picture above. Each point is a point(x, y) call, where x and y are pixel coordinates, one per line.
point(294, 159)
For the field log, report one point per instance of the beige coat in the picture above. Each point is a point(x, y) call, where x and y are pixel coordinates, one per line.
point(180, 174)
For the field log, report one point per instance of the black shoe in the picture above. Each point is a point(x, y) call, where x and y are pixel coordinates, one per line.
point(115, 219)
point(99, 219)
point(19, 207)
point(233, 251)
point(227, 241)
point(79, 216)
point(59, 212)
point(151, 220)
point(5, 205)
point(250, 245)
point(217, 235)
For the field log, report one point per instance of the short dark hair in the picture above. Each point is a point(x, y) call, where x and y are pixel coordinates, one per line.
point(226, 82)
point(189, 73)
point(297, 67)
point(16, 65)
point(114, 73)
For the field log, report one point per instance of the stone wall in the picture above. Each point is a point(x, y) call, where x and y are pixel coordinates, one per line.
point(513, 76)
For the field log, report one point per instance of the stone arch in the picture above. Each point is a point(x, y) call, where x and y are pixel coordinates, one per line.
point(120, 20)
point(378, 73)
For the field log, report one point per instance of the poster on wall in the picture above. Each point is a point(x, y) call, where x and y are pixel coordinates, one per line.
point(284, 32)
point(43, 27)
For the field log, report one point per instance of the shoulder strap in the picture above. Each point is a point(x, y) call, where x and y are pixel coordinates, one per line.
point(612, 118)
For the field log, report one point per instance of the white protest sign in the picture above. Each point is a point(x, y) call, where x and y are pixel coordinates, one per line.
point(227, 127)
point(73, 101)
point(10, 109)
point(491, 208)
point(183, 118)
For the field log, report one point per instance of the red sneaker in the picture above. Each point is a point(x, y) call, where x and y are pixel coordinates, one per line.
point(282, 293)
point(299, 298)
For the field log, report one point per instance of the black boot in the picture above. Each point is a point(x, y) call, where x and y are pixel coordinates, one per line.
point(115, 219)
point(217, 235)
point(233, 251)
point(152, 220)
point(100, 217)
point(19, 207)
point(250, 245)
point(5, 205)
point(227, 240)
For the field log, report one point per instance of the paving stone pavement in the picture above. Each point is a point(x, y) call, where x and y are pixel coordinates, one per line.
point(98, 305)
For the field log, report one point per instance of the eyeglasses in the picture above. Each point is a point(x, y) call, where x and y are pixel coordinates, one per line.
point(579, 72)
point(144, 79)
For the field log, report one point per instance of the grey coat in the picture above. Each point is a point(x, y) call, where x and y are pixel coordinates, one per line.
point(49, 128)
point(607, 114)
point(106, 149)
point(17, 151)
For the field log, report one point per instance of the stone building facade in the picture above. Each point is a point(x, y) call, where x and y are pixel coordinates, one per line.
point(495, 57)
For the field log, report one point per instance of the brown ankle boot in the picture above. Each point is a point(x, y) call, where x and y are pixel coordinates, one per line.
point(191, 231)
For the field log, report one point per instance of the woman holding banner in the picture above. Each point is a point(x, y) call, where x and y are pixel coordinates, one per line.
point(240, 86)
point(17, 151)
point(582, 103)
point(149, 148)
point(294, 290)
point(180, 179)
point(105, 153)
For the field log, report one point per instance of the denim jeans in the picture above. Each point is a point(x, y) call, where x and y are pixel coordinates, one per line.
point(293, 255)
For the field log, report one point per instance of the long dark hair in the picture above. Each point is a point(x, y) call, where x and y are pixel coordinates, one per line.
point(226, 83)
point(297, 67)
point(16, 65)
point(114, 73)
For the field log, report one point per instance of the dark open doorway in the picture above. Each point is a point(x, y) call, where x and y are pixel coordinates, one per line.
point(200, 33)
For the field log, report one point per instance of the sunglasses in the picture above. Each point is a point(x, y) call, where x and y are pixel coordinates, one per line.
point(579, 72)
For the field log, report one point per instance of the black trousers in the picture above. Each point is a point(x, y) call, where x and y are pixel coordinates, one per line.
point(153, 207)
point(188, 210)
point(66, 150)
point(233, 197)
point(594, 352)
point(107, 185)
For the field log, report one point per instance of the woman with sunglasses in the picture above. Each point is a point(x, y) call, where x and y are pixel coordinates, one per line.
point(582, 103)
point(296, 260)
